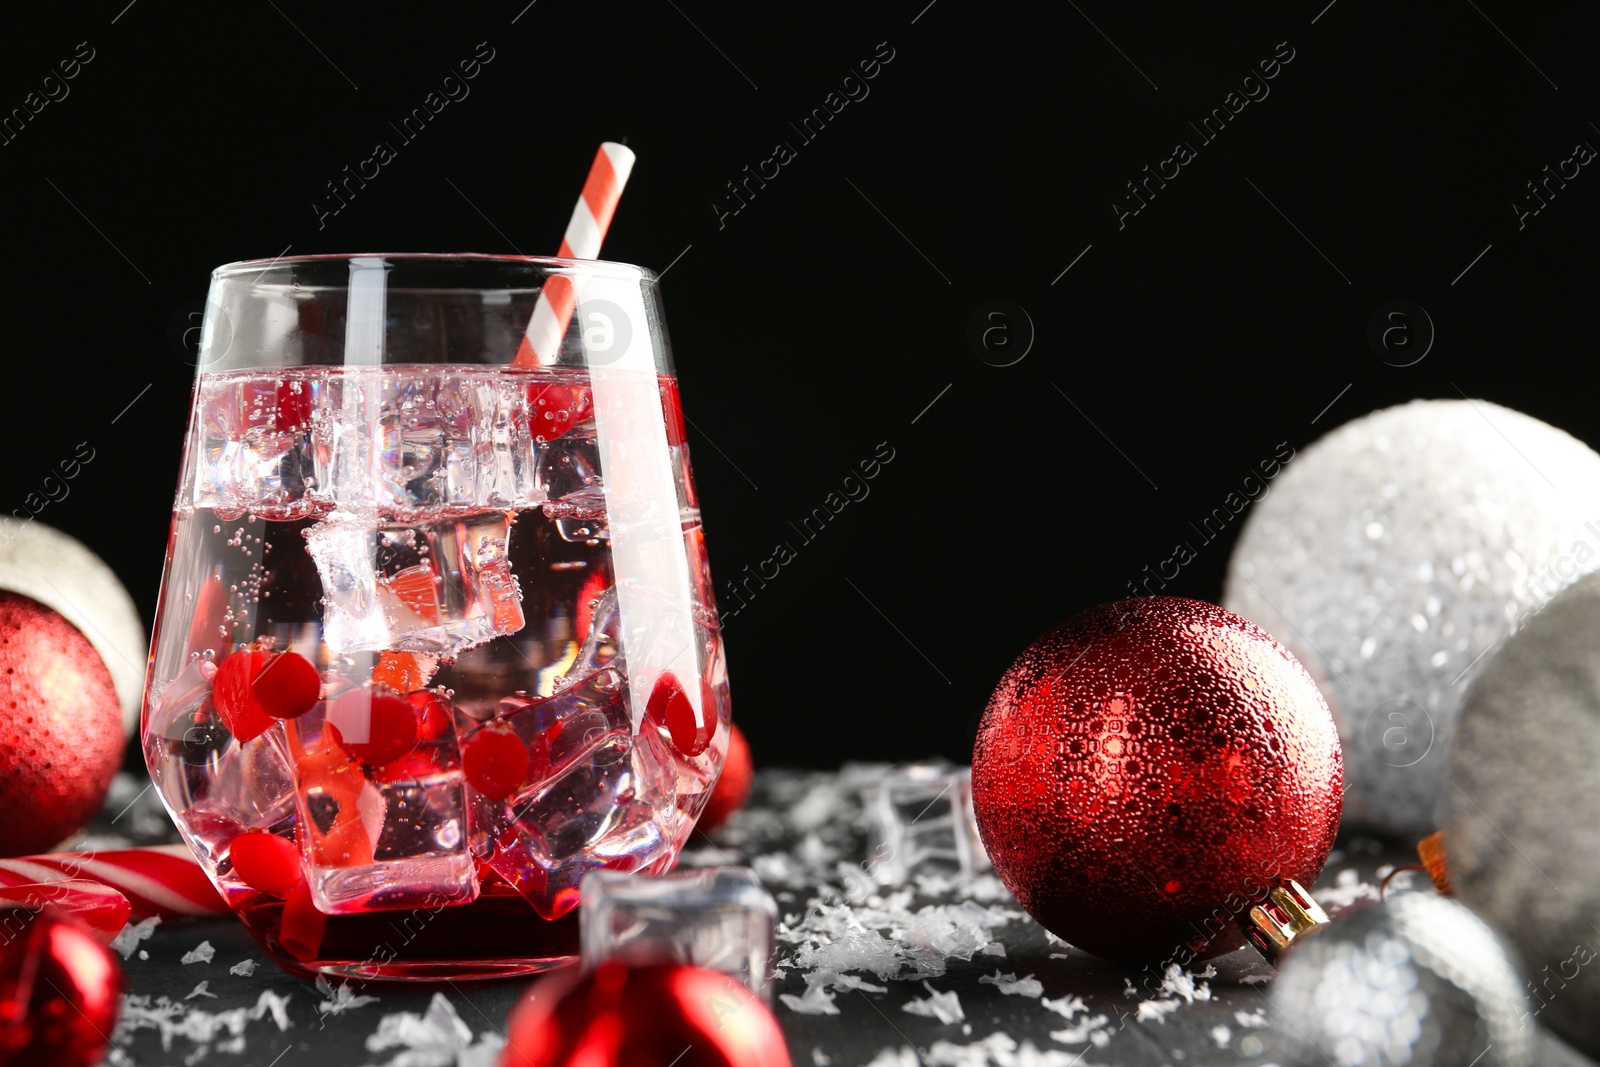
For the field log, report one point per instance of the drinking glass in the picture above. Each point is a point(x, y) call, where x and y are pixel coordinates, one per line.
point(436, 633)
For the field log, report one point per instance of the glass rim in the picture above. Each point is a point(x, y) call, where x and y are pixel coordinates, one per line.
point(232, 272)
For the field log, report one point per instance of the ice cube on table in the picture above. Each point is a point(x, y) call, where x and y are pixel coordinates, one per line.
point(718, 918)
point(438, 588)
point(594, 795)
point(920, 821)
point(378, 838)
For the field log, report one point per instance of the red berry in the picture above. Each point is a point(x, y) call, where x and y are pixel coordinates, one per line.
point(670, 705)
point(554, 409)
point(233, 695)
point(433, 712)
point(672, 410)
point(302, 927)
point(288, 685)
point(495, 762)
point(266, 862)
point(385, 724)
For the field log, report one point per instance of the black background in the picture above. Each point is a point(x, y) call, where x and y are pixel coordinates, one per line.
point(1176, 354)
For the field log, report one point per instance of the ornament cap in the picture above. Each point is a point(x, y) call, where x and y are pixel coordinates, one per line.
point(1431, 851)
point(1287, 915)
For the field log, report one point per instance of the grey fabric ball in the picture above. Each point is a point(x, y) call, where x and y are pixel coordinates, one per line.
point(1392, 555)
point(1417, 981)
point(1523, 842)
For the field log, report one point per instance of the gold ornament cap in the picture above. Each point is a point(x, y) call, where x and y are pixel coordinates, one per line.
point(1431, 851)
point(1286, 916)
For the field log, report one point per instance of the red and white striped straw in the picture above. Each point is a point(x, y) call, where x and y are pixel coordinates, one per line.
point(591, 216)
point(162, 880)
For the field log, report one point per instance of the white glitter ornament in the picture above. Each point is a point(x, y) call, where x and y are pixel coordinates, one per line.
point(1392, 555)
point(61, 573)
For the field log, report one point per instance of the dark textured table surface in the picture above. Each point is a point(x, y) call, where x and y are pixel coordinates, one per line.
point(202, 991)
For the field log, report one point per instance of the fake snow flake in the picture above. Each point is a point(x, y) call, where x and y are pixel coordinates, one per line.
point(128, 940)
point(1067, 1007)
point(998, 1050)
point(1011, 985)
point(946, 1006)
point(1221, 1035)
point(1092, 1029)
point(437, 1038)
point(201, 953)
point(172, 1019)
point(337, 999)
point(244, 968)
point(1346, 889)
point(1254, 1020)
point(815, 1001)
point(201, 991)
point(895, 1057)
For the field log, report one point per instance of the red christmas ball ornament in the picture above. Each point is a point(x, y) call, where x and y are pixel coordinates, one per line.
point(653, 1016)
point(733, 784)
point(61, 733)
point(1149, 771)
point(59, 989)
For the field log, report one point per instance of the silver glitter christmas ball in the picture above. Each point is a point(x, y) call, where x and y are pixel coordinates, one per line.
point(1417, 981)
point(1392, 555)
point(1523, 842)
point(61, 573)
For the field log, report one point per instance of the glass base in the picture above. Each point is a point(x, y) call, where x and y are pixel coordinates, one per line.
point(498, 935)
point(437, 970)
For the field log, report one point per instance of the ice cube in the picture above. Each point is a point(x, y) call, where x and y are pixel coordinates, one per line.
point(377, 838)
point(254, 444)
point(569, 476)
point(594, 794)
point(718, 918)
point(920, 821)
point(601, 646)
point(604, 647)
point(412, 443)
point(220, 787)
point(437, 588)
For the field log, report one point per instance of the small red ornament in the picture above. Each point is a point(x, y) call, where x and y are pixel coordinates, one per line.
point(381, 726)
point(733, 784)
point(1148, 770)
point(670, 705)
point(495, 762)
point(59, 990)
point(655, 1016)
point(61, 733)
